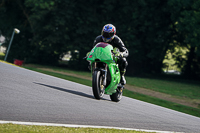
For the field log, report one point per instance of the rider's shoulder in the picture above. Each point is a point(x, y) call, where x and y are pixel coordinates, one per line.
point(116, 36)
point(99, 37)
point(117, 39)
point(97, 40)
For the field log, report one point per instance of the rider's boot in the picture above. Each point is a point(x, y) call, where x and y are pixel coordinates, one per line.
point(123, 80)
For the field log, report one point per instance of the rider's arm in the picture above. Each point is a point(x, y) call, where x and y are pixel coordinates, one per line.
point(97, 40)
point(125, 53)
point(121, 46)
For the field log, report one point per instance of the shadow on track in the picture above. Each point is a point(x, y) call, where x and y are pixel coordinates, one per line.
point(66, 90)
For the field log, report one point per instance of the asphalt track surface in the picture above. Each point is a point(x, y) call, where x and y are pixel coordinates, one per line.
point(34, 97)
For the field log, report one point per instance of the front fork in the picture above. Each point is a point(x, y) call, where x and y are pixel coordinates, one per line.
point(105, 74)
point(103, 71)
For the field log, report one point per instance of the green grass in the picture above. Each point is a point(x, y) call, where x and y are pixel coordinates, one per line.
point(14, 128)
point(153, 100)
point(163, 103)
point(175, 87)
point(88, 74)
point(60, 69)
point(2, 55)
point(71, 78)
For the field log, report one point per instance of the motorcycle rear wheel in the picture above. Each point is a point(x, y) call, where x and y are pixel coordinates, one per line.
point(97, 85)
point(117, 96)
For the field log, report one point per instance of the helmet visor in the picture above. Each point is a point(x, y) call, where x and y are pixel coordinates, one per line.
point(107, 35)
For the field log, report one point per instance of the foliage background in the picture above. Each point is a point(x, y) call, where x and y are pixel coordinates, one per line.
point(149, 28)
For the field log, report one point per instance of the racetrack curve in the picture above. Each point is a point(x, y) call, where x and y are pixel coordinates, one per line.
point(34, 97)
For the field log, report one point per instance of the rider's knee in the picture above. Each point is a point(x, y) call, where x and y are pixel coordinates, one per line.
point(123, 63)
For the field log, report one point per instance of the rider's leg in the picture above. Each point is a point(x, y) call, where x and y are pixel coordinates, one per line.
point(122, 80)
point(122, 66)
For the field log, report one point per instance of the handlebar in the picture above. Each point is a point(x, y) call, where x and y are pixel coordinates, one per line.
point(115, 55)
point(84, 57)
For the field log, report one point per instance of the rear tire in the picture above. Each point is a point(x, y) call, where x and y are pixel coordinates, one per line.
point(117, 96)
point(97, 86)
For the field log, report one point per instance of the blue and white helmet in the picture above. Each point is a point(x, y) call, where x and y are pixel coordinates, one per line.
point(108, 32)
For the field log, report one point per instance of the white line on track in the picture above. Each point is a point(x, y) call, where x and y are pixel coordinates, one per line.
point(79, 126)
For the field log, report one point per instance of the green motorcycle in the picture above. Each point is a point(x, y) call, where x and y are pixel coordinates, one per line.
point(105, 72)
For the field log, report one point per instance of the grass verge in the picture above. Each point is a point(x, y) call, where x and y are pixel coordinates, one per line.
point(175, 86)
point(149, 99)
point(163, 103)
point(14, 128)
point(71, 78)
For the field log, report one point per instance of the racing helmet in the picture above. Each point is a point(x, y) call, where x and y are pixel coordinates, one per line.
point(108, 32)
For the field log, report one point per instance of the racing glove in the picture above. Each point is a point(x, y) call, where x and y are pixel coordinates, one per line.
point(117, 52)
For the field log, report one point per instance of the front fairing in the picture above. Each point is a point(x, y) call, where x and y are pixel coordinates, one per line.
point(101, 52)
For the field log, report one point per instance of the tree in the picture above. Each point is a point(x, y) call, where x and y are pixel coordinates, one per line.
point(186, 20)
point(148, 28)
point(12, 16)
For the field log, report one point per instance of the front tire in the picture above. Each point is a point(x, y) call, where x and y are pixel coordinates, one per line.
point(97, 85)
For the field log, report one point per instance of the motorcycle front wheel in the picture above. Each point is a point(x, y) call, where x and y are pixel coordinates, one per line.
point(97, 85)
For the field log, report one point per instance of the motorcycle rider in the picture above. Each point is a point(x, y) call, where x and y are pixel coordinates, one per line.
point(108, 35)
